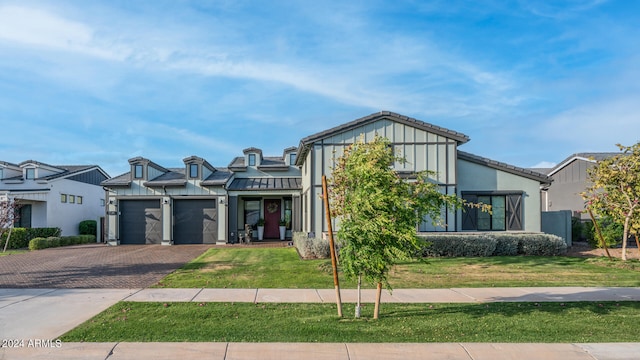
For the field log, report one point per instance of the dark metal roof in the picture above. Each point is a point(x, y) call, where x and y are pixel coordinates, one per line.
point(120, 180)
point(542, 178)
point(173, 177)
point(261, 184)
point(218, 178)
point(306, 142)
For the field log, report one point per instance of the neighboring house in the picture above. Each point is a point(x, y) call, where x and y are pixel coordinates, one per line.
point(203, 204)
point(569, 180)
point(54, 195)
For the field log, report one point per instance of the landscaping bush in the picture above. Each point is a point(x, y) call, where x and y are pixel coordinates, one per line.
point(311, 248)
point(459, 245)
point(43, 232)
point(506, 245)
point(18, 238)
point(493, 244)
point(541, 245)
point(612, 233)
point(54, 241)
point(88, 227)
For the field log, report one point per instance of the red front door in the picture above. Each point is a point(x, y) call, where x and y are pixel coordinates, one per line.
point(272, 218)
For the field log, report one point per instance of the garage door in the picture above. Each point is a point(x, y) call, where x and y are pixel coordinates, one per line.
point(140, 222)
point(195, 221)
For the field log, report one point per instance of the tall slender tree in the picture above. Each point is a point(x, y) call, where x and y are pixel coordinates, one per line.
point(379, 211)
point(8, 216)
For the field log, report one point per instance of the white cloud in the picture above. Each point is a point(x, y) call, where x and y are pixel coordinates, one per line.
point(39, 28)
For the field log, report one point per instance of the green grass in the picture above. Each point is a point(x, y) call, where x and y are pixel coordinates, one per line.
point(248, 322)
point(282, 268)
point(13, 252)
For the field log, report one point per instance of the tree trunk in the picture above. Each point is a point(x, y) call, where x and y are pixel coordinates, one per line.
point(376, 310)
point(359, 301)
point(6, 244)
point(625, 235)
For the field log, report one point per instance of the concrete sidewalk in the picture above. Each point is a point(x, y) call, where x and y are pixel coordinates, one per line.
point(29, 316)
point(346, 351)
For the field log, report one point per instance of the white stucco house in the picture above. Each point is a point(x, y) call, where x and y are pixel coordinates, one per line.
point(201, 203)
point(54, 195)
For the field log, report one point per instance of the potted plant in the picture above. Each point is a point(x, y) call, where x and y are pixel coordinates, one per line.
point(283, 228)
point(260, 225)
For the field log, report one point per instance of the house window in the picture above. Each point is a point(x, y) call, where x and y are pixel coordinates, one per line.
point(252, 159)
point(31, 173)
point(292, 159)
point(251, 211)
point(63, 198)
point(72, 199)
point(79, 200)
point(102, 203)
point(193, 171)
point(288, 210)
point(23, 217)
point(137, 171)
point(506, 212)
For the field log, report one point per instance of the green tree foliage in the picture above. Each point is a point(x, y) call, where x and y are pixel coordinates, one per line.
point(379, 210)
point(615, 191)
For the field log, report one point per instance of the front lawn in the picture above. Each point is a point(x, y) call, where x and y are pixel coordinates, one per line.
point(581, 322)
point(282, 268)
point(13, 252)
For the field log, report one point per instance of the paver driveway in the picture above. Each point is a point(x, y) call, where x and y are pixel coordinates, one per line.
point(95, 266)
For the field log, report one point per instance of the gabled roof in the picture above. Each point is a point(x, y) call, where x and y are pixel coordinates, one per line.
point(533, 175)
point(305, 144)
point(173, 177)
point(584, 156)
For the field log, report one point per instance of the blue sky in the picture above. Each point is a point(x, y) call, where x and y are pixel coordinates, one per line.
point(99, 82)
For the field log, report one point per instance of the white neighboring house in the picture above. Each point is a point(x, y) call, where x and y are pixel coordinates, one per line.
point(54, 195)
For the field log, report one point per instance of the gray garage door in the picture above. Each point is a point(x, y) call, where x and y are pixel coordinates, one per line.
point(195, 221)
point(140, 222)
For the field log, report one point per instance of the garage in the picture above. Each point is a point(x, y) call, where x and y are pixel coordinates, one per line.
point(140, 222)
point(195, 221)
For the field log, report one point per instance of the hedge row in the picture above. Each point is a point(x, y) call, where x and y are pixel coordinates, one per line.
point(20, 237)
point(493, 244)
point(57, 241)
point(311, 248)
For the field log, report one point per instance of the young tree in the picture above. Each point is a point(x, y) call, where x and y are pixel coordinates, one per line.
point(615, 190)
point(379, 211)
point(8, 216)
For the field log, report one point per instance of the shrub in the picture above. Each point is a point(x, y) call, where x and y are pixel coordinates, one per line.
point(577, 229)
point(37, 243)
point(612, 233)
point(494, 244)
point(18, 238)
point(311, 248)
point(43, 232)
point(541, 245)
point(471, 245)
point(506, 245)
point(88, 227)
point(53, 241)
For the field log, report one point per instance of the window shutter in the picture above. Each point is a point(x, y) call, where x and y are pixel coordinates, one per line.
point(470, 214)
point(514, 212)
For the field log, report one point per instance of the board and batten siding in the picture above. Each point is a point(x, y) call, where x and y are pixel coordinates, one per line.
point(476, 177)
point(423, 150)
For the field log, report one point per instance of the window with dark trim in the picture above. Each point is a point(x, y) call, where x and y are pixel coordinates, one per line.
point(193, 171)
point(252, 159)
point(79, 200)
point(506, 211)
point(292, 159)
point(31, 173)
point(251, 211)
point(72, 199)
point(63, 198)
point(137, 171)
